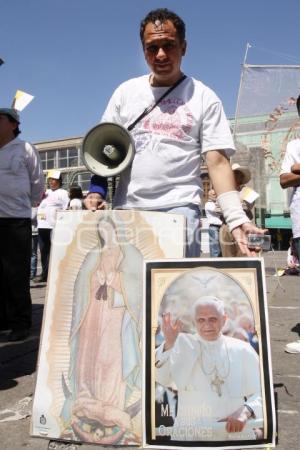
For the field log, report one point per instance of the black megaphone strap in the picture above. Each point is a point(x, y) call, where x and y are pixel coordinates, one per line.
point(151, 107)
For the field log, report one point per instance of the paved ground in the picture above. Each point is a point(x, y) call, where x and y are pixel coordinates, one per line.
point(18, 368)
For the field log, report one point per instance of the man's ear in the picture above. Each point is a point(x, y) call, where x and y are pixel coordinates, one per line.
point(184, 45)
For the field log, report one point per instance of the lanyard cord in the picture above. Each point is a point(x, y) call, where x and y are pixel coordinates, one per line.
point(151, 107)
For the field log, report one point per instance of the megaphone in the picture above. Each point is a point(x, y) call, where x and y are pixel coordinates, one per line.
point(107, 149)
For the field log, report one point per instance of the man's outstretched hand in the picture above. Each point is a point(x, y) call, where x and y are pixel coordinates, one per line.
point(240, 235)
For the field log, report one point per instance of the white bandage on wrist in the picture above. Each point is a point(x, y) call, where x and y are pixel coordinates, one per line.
point(231, 206)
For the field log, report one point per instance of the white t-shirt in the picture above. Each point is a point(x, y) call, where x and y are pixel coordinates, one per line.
point(292, 156)
point(75, 203)
point(54, 200)
point(168, 141)
point(213, 213)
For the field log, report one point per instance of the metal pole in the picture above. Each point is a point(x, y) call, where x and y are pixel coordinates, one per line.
point(246, 52)
point(240, 86)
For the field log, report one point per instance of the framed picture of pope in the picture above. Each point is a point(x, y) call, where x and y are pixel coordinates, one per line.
point(207, 378)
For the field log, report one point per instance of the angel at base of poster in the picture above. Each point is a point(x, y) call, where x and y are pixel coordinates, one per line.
point(102, 390)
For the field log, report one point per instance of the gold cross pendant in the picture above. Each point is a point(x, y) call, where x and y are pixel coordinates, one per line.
point(216, 384)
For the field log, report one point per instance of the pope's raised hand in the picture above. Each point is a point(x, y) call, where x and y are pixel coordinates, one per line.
point(170, 329)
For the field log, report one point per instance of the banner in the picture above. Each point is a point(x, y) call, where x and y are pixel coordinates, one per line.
point(89, 376)
point(266, 120)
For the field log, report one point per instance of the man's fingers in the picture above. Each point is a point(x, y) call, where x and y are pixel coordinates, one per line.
point(168, 324)
point(102, 205)
point(240, 236)
point(247, 251)
point(234, 425)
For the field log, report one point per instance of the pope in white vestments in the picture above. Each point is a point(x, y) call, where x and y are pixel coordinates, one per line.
point(217, 378)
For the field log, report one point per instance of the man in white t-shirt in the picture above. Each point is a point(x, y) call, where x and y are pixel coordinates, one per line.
point(290, 177)
point(165, 173)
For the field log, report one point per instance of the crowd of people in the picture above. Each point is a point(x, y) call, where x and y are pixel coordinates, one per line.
point(170, 138)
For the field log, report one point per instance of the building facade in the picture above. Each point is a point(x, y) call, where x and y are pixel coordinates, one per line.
point(65, 155)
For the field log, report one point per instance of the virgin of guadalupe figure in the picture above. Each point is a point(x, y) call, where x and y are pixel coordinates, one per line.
point(105, 367)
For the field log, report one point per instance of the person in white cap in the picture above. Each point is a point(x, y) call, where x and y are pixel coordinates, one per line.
point(21, 187)
point(217, 377)
point(54, 199)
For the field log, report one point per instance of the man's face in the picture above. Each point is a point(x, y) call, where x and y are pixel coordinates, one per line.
point(6, 129)
point(163, 51)
point(209, 322)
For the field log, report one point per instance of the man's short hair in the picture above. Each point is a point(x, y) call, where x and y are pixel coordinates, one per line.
point(163, 14)
point(298, 105)
point(209, 300)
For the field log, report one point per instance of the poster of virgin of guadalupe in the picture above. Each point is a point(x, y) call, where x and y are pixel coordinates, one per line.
point(208, 378)
point(89, 372)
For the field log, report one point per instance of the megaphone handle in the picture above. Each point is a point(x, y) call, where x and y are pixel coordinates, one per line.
point(113, 186)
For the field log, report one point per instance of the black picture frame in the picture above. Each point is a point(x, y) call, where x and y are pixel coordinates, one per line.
point(156, 274)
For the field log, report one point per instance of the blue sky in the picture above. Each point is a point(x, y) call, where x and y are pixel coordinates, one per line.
point(72, 54)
